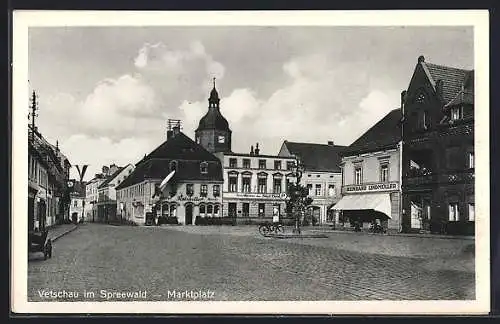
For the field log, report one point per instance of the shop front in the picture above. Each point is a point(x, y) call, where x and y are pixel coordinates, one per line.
point(252, 208)
point(368, 203)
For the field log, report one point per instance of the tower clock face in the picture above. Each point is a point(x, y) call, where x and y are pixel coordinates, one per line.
point(221, 139)
point(420, 98)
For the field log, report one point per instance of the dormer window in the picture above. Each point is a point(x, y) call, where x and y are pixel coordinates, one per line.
point(456, 113)
point(173, 166)
point(204, 167)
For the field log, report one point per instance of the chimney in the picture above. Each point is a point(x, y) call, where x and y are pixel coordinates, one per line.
point(173, 127)
point(170, 133)
point(257, 150)
point(251, 150)
point(421, 59)
point(105, 170)
point(330, 143)
point(439, 88)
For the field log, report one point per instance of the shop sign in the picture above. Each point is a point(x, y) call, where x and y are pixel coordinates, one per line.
point(281, 196)
point(196, 198)
point(374, 187)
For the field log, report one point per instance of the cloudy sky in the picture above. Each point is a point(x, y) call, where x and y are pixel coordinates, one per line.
point(105, 93)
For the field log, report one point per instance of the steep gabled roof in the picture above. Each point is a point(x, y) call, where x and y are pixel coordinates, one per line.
point(453, 78)
point(188, 156)
point(384, 134)
point(317, 157)
point(111, 177)
point(180, 147)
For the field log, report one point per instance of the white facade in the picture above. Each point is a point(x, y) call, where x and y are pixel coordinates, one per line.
point(325, 190)
point(91, 198)
point(255, 185)
point(371, 181)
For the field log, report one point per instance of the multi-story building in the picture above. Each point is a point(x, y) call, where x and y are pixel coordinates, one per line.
point(92, 192)
point(48, 174)
point(371, 176)
point(322, 175)
point(438, 150)
point(192, 189)
point(106, 200)
point(255, 185)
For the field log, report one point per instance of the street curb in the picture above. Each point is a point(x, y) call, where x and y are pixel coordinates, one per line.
point(442, 237)
point(55, 238)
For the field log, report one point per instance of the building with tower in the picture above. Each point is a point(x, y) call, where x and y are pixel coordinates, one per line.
point(213, 131)
point(255, 185)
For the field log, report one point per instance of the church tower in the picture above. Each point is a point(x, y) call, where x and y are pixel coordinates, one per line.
point(213, 131)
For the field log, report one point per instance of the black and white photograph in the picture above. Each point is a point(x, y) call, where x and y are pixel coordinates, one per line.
point(298, 162)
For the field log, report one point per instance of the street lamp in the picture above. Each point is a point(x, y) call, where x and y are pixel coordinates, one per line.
point(298, 170)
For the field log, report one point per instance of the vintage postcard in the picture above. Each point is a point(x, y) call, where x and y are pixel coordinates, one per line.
point(306, 162)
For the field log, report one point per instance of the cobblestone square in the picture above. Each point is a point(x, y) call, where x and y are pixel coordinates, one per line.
point(111, 263)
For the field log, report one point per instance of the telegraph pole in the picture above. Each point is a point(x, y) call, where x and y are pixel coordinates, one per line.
point(33, 114)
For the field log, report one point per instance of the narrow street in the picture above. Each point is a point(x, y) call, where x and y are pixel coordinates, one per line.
point(98, 262)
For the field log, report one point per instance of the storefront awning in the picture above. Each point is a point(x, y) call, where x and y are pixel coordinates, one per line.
point(380, 202)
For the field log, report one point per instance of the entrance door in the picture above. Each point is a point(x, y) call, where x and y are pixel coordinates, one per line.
point(231, 208)
point(189, 214)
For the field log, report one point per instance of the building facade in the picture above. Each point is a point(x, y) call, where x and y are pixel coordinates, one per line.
point(106, 200)
point(77, 204)
point(438, 151)
point(193, 187)
point(255, 185)
point(92, 192)
point(322, 175)
point(48, 175)
point(371, 176)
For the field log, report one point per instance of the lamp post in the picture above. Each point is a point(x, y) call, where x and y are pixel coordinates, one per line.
point(297, 206)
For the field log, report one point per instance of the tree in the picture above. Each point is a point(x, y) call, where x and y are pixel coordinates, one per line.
point(297, 203)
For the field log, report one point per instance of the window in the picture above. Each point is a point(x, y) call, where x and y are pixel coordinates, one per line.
point(204, 167)
point(173, 210)
point(216, 210)
point(197, 139)
point(453, 212)
point(456, 113)
point(318, 189)
point(384, 172)
point(309, 189)
point(246, 183)
point(203, 190)
point(262, 210)
point(331, 190)
point(216, 190)
point(262, 164)
point(342, 175)
point(290, 165)
point(233, 163)
point(173, 166)
point(471, 160)
point(246, 209)
point(189, 189)
point(277, 184)
point(246, 163)
point(262, 184)
point(233, 183)
point(472, 215)
point(75, 203)
point(358, 175)
point(277, 165)
point(210, 210)
point(222, 139)
point(202, 210)
point(425, 120)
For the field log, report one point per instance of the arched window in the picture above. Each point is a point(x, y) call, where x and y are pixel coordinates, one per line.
point(173, 166)
point(202, 210)
point(173, 210)
point(209, 210)
point(216, 210)
point(262, 182)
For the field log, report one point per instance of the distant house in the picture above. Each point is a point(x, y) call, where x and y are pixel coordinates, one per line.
point(322, 174)
point(92, 191)
point(77, 204)
point(192, 189)
point(107, 208)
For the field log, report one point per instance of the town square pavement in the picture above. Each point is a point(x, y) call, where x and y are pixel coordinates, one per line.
point(120, 263)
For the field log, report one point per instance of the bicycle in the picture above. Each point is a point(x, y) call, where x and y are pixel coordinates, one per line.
point(267, 228)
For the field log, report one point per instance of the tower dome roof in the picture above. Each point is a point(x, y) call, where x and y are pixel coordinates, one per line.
point(213, 119)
